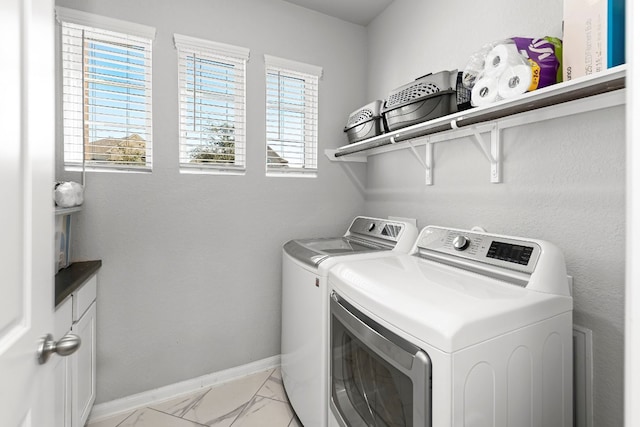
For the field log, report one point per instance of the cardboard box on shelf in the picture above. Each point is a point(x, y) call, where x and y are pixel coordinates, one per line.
point(593, 37)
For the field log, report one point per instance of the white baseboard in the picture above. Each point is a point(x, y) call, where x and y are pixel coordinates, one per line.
point(146, 398)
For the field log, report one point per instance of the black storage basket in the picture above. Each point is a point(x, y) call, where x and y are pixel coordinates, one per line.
point(463, 95)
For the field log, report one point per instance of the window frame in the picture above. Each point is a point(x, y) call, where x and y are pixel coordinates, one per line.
point(103, 29)
point(212, 52)
point(286, 69)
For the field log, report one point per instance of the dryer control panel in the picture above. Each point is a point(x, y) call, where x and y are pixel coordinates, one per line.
point(469, 246)
point(375, 227)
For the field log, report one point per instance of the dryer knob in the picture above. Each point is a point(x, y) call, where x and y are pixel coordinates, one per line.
point(460, 243)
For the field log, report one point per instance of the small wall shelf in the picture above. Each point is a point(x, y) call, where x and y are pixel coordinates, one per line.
point(594, 92)
point(67, 211)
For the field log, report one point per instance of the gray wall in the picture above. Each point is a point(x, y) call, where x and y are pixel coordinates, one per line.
point(564, 179)
point(190, 282)
point(191, 276)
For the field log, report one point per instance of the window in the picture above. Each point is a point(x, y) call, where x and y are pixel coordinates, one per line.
point(106, 91)
point(211, 81)
point(292, 117)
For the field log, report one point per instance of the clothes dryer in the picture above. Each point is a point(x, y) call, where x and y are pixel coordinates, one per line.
point(471, 329)
point(305, 265)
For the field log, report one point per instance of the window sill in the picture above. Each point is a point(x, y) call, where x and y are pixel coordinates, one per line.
point(203, 171)
point(78, 168)
point(276, 174)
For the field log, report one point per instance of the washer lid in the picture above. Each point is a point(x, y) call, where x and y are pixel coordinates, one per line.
point(314, 251)
point(365, 234)
point(446, 307)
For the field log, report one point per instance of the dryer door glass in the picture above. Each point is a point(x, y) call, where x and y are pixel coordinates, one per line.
point(380, 394)
point(374, 380)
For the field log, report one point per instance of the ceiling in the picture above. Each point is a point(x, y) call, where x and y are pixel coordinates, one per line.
point(360, 12)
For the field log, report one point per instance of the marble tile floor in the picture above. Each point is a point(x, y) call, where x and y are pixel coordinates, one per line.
point(256, 400)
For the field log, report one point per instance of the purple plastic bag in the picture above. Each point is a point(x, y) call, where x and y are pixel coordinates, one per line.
point(541, 54)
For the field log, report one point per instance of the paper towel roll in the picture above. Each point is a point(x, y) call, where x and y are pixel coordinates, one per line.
point(515, 80)
point(501, 57)
point(485, 91)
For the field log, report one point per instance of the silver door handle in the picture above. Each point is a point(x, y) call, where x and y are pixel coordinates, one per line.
point(65, 346)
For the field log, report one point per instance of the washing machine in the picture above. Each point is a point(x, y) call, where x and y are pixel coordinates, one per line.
point(470, 329)
point(305, 265)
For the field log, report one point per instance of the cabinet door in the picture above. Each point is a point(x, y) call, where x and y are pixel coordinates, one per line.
point(83, 367)
point(62, 366)
point(62, 380)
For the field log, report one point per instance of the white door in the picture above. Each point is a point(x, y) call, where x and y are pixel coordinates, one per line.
point(26, 212)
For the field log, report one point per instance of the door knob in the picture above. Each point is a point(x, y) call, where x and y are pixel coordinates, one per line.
point(65, 346)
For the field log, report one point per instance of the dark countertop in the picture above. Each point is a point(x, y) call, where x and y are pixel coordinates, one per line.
point(71, 278)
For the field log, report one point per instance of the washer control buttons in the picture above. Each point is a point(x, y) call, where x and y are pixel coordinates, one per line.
point(460, 242)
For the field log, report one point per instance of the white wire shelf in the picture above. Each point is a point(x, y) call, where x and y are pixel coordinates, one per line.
point(594, 92)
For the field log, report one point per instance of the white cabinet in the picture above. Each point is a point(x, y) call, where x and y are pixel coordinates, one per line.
point(83, 368)
point(62, 367)
point(76, 374)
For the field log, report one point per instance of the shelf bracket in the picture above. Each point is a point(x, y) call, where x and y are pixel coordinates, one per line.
point(416, 155)
point(492, 151)
point(345, 162)
point(427, 163)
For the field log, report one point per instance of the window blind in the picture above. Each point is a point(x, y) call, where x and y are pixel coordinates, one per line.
point(106, 97)
point(291, 116)
point(211, 80)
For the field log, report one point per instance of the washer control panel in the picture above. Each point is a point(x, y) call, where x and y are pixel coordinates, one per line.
point(500, 251)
